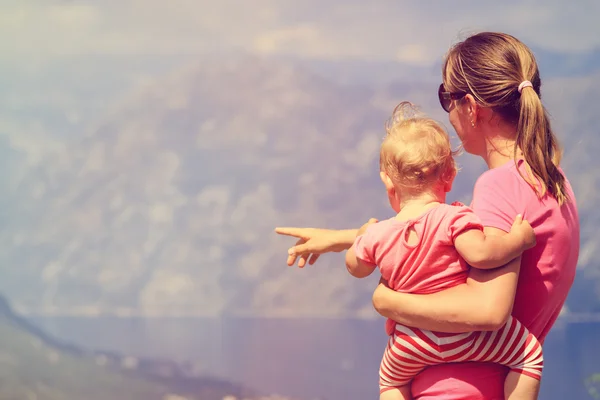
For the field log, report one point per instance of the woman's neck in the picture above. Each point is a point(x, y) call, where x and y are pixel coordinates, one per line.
point(500, 146)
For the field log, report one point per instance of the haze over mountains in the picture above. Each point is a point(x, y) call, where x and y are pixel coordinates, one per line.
point(160, 198)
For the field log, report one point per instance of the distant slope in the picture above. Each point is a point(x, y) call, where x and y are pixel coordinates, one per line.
point(166, 204)
point(35, 366)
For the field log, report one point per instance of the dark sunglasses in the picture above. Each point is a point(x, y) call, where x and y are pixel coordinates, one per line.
point(447, 97)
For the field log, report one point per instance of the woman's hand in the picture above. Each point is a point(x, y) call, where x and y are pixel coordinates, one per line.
point(381, 297)
point(363, 228)
point(312, 242)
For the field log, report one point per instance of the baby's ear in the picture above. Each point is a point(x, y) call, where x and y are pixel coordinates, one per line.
point(389, 185)
point(449, 176)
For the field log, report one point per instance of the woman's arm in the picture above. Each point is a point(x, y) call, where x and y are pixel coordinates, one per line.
point(484, 302)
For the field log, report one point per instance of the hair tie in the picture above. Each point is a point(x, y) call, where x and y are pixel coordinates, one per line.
point(524, 84)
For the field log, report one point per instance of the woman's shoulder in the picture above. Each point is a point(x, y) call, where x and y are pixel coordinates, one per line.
point(506, 178)
point(510, 178)
point(499, 195)
point(505, 173)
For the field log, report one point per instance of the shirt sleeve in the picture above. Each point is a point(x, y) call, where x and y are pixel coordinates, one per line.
point(494, 199)
point(365, 246)
point(462, 219)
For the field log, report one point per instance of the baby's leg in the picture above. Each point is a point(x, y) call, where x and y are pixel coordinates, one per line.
point(522, 353)
point(397, 393)
point(519, 386)
point(399, 365)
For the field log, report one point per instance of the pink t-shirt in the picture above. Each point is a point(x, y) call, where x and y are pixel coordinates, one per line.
point(430, 265)
point(547, 273)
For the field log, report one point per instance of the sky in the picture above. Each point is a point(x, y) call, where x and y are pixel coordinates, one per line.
point(413, 32)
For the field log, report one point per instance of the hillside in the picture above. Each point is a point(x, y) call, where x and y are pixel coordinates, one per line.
point(35, 366)
point(165, 205)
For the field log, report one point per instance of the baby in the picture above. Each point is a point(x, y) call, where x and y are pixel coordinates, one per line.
point(427, 247)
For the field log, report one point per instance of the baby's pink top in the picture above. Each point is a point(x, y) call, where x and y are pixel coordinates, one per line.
point(547, 273)
point(432, 263)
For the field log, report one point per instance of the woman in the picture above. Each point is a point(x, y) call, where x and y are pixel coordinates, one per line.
point(491, 90)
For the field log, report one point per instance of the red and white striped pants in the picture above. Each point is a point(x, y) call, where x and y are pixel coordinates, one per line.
point(410, 350)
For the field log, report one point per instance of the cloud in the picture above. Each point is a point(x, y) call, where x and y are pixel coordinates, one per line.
point(47, 28)
point(417, 33)
point(301, 38)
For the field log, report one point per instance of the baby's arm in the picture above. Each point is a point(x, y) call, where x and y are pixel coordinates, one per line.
point(487, 252)
point(357, 267)
point(360, 260)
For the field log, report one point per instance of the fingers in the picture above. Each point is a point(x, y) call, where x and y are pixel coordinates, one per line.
point(299, 249)
point(307, 259)
point(295, 232)
point(291, 260)
point(300, 253)
point(293, 252)
point(373, 221)
point(302, 260)
point(519, 218)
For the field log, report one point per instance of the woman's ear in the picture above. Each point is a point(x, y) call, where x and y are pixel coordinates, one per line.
point(472, 108)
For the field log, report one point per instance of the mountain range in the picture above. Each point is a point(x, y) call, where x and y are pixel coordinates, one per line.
point(164, 203)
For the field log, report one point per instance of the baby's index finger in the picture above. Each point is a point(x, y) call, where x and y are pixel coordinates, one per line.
point(287, 231)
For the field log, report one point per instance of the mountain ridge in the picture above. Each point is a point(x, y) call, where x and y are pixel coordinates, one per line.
point(167, 205)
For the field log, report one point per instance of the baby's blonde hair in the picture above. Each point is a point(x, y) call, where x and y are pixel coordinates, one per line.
point(416, 153)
